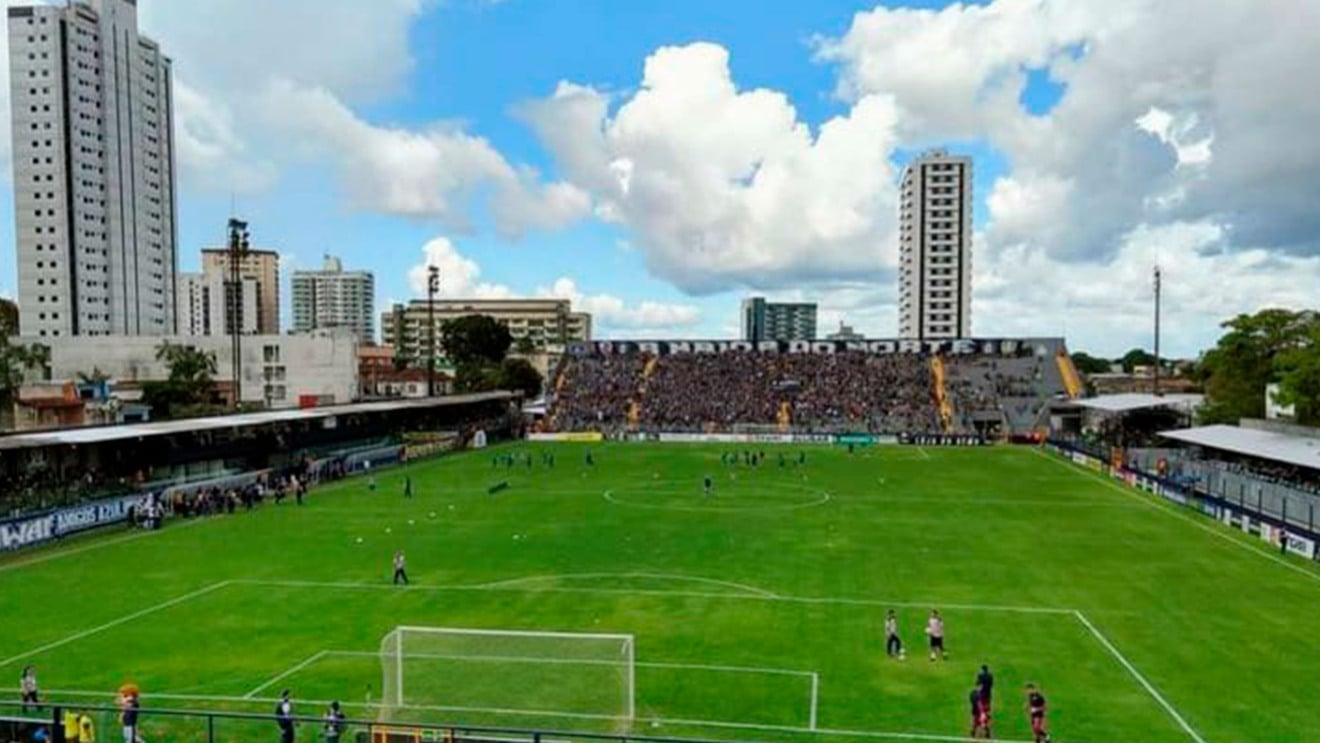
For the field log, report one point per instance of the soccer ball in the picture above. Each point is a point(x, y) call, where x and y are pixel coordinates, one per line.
point(388, 530)
point(359, 540)
point(411, 522)
point(433, 514)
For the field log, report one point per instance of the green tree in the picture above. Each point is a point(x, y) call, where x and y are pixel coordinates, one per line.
point(189, 389)
point(525, 346)
point(8, 317)
point(1244, 360)
point(18, 362)
point(476, 377)
point(1136, 357)
point(520, 376)
point(1298, 371)
point(1088, 364)
point(475, 339)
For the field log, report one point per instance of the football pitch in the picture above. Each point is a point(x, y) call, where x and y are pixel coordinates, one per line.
point(755, 613)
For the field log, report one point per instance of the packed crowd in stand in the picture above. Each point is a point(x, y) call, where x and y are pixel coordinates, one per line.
point(595, 392)
point(694, 392)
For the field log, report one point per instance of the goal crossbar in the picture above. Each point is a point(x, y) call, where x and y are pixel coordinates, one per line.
point(514, 633)
point(623, 656)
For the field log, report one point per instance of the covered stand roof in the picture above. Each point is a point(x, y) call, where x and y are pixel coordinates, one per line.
point(1300, 451)
point(102, 434)
point(1130, 401)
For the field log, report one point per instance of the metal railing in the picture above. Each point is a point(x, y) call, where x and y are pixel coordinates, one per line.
point(21, 723)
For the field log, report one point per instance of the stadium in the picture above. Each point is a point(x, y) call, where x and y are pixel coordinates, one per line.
point(514, 371)
point(575, 582)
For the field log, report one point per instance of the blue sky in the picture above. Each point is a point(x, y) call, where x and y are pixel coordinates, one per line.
point(412, 130)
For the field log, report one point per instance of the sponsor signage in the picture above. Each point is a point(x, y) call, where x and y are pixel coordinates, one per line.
point(940, 439)
point(579, 436)
point(855, 439)
point(29, 531)
point(959, 347)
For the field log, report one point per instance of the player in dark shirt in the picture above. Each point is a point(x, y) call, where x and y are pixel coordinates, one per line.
point(986, 682)
point(980, 714)
point(334, 723)
point(284, 717)
point(708, 486)
point(1036, 708)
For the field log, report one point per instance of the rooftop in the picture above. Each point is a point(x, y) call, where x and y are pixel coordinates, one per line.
point(1301, 451)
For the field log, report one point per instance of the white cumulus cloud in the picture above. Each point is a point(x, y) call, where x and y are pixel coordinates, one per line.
point(722, 186)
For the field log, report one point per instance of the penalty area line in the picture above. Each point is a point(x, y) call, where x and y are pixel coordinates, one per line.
point(1150, 688)
point(825, 600)
point(115, 622)
point(287, 673)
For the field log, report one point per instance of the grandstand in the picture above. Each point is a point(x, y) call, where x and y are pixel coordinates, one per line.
point(988, 388)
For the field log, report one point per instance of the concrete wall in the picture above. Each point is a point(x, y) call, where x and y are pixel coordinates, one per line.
point(276, 369)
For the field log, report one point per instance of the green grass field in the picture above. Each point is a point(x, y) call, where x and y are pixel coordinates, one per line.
point(1141, 621)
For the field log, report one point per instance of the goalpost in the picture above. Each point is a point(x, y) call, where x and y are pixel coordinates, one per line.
point(565, 674)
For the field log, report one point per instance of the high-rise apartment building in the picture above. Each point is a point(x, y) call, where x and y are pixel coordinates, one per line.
point(262, 268)
point(203, 305)
point(777, 321)
point(94, 177)
point(935, 247)
point(334, 298)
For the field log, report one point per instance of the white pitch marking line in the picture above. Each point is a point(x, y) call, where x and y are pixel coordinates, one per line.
point(815, 699)
point(1140, 679)
point(582, 661)
point(922, 450)
point(289, 672)
point(115, 622)
point(655, 592)
point(1183, 517)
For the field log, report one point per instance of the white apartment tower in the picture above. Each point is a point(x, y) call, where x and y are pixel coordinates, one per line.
point(203, 305)
point(334, 298)
point(935, 248)
point(94, 177)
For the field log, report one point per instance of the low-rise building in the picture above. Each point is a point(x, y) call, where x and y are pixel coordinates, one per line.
point(276, 371)
point(540, 322)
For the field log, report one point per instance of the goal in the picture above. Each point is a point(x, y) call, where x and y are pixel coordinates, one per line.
point(554, 674)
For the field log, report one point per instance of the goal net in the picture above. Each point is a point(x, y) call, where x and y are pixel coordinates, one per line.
point(565, 674)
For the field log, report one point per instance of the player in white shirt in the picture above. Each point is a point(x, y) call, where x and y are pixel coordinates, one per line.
point(935, 631)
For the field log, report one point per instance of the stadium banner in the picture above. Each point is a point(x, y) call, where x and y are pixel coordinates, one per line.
point(741, 438)
point(575, 436)
point(429, 445)
point(29, 531)
point(1008, 347)
point(856, 439)
point(941, 439)
point(1299, 545)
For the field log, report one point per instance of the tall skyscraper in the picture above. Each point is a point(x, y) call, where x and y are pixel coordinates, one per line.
point(93, 160)
point(778, 321)
point(334, 298)
point(935, 247)
point(256, 267)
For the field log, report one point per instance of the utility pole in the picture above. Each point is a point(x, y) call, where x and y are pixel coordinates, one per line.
point(1158, 287)
point(432, 286)
point(236, 250)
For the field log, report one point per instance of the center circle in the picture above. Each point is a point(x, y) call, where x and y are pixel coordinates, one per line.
point(726, 496)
